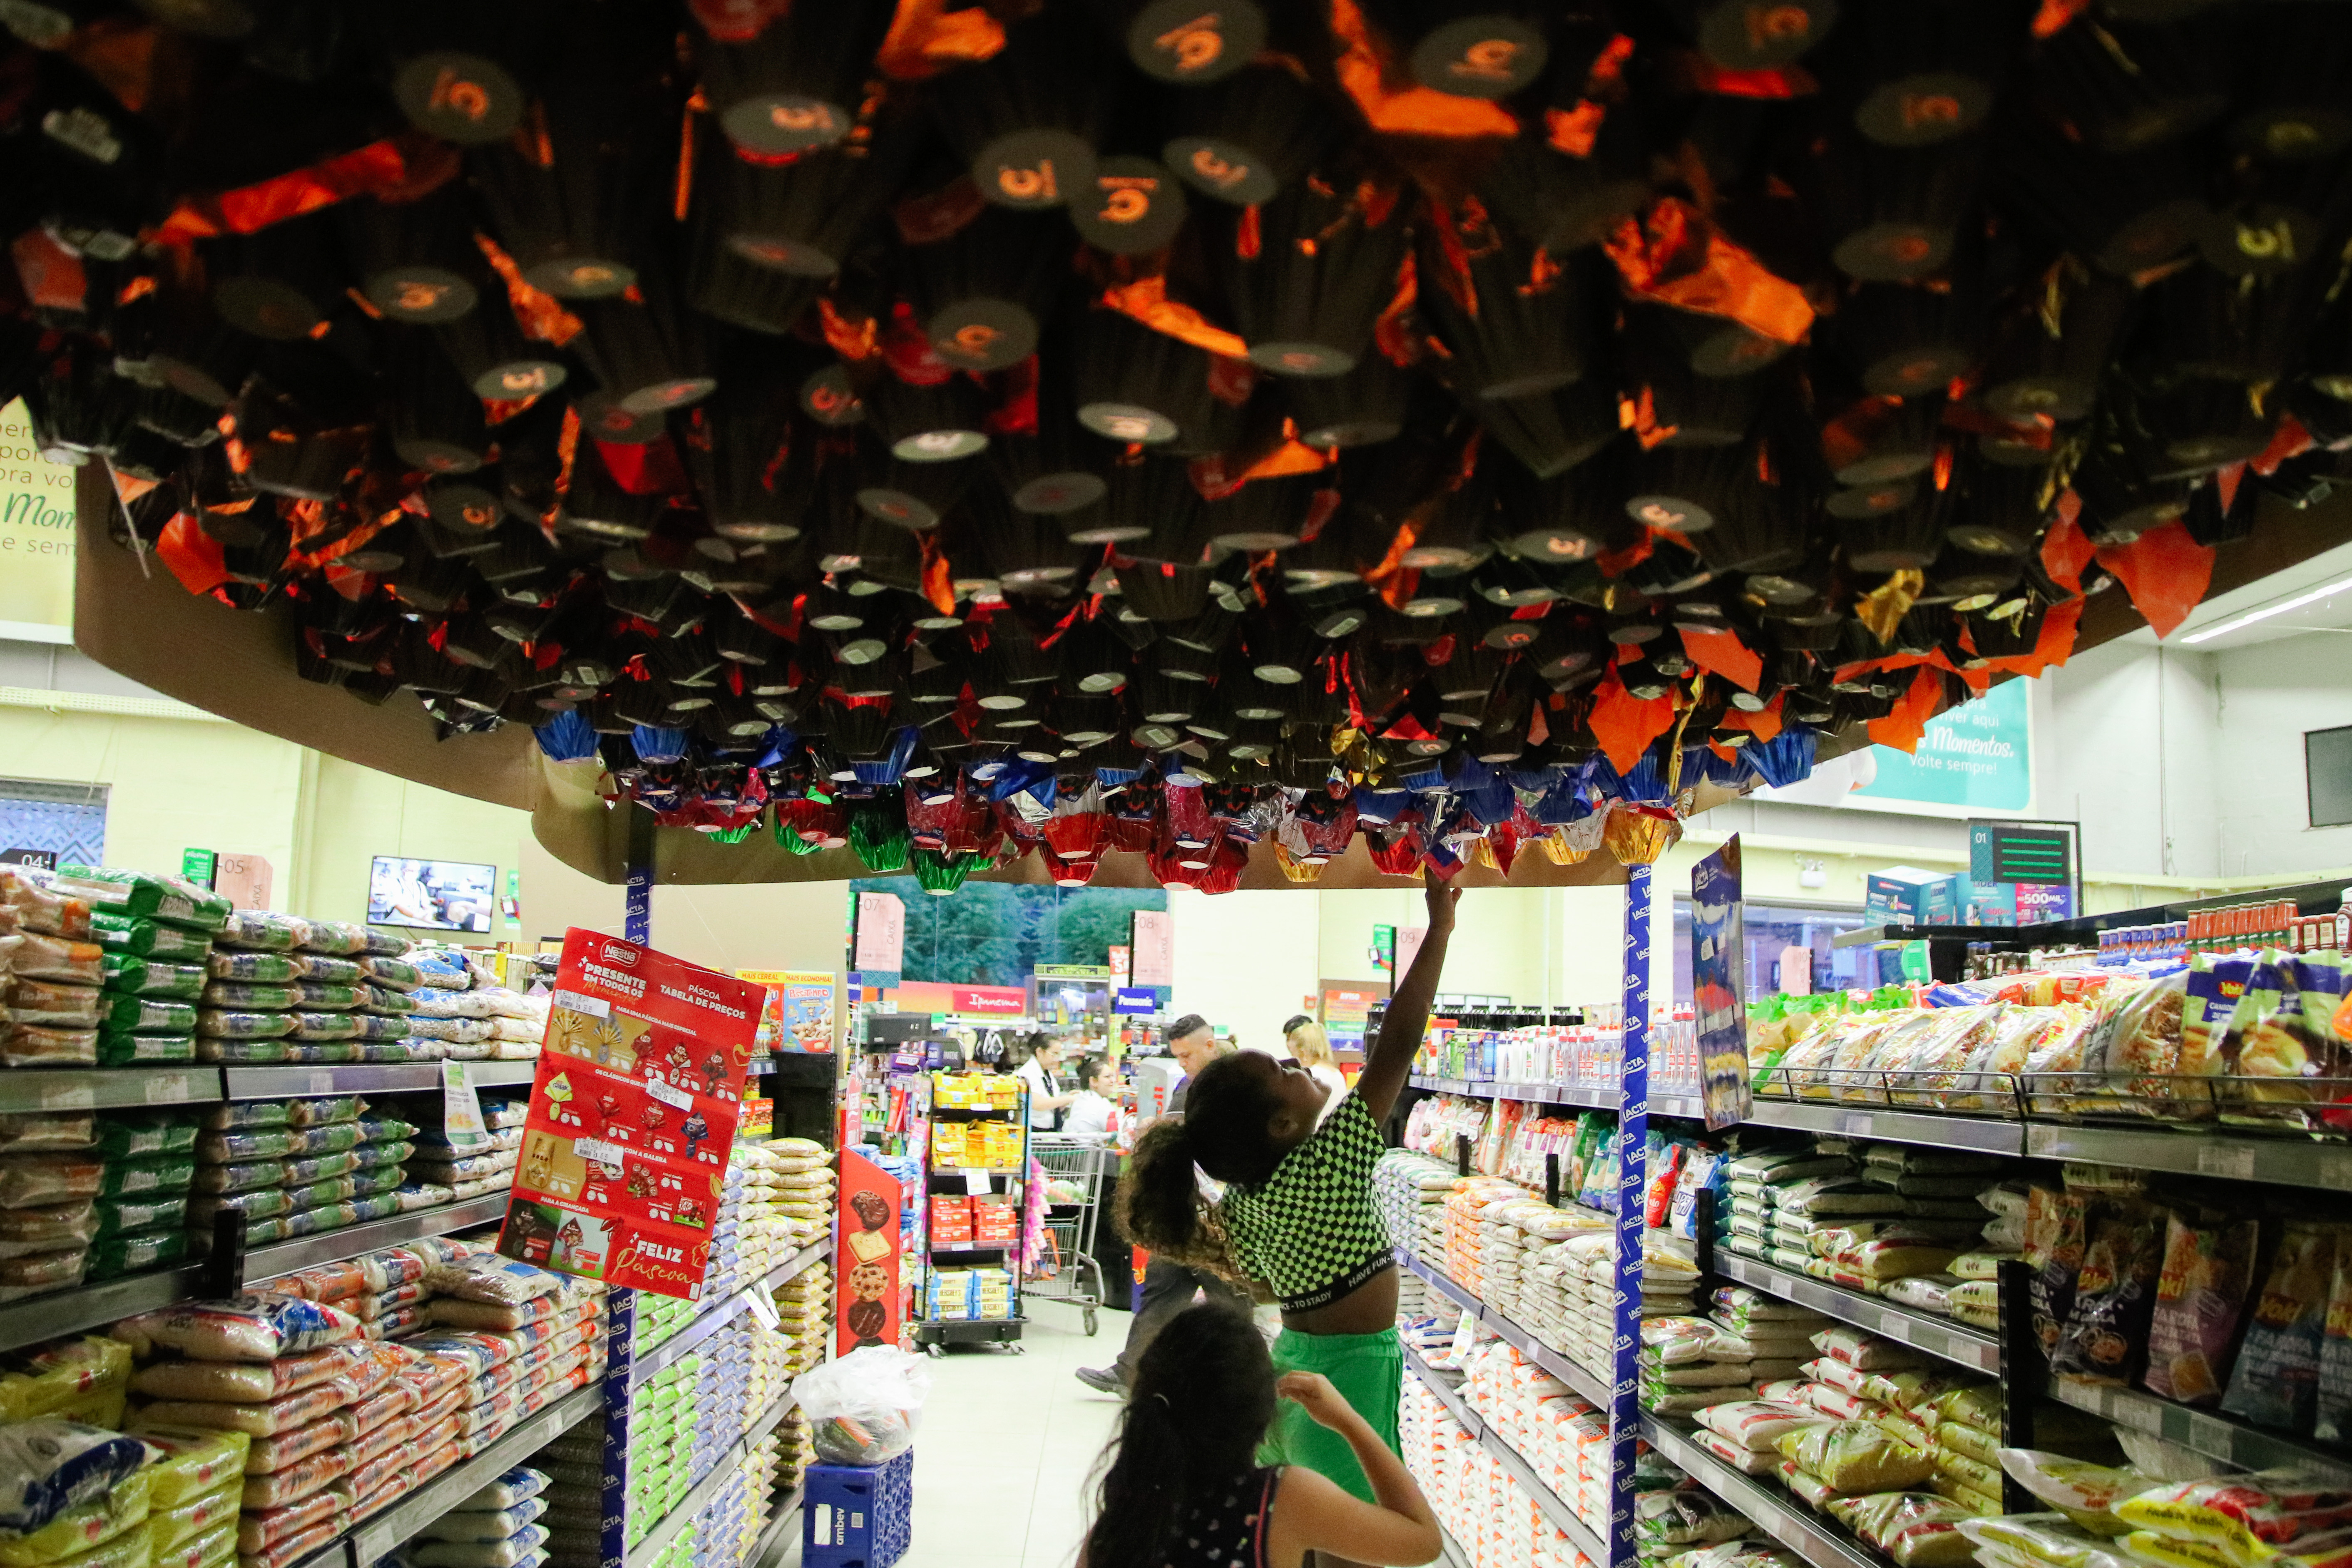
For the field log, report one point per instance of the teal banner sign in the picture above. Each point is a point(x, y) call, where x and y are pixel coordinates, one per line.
point(1978, 756)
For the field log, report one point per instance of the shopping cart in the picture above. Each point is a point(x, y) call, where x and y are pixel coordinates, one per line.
point(1075, 1169)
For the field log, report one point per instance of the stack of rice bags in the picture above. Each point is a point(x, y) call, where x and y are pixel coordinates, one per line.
point(286, 989)
point(148, 932)
point(1689, 1363)
point(1538, 1417)
point(791, 1195)
point(1464, 1241)
point(92, 1196)
point(804, 1315)
point(498, 1527)
point(454, 1170)
point(1779, 1332)
point(1754, 1185)
point(574, 1467)
point(1409, 1191)
point(299, 1382)
point(296, 1167)
point(1674, 1515)
point(1669, 1289)
point(79, 1495)
point(385, 1290)
point(505, 1024)
point(1515, 1237)
point(524, 1336)
point(682, 1420)
point(723, 1533)
point(82, 1496)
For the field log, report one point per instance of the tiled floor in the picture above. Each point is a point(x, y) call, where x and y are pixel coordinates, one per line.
point(1007, 1445)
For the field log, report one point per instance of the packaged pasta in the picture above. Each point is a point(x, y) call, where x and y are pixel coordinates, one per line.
point(2104, 1339)
point(2208, 1267)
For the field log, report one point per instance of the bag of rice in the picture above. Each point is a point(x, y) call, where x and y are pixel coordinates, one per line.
point(1916, 1529)
point(1854, 1457)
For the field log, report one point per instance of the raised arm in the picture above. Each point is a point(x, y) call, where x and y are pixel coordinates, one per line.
point(1389, 1061)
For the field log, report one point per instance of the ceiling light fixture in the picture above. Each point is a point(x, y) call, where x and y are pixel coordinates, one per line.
point(2239, 623)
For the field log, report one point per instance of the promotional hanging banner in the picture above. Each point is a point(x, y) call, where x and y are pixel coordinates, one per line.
point(634, 1108)
point(1718, 989)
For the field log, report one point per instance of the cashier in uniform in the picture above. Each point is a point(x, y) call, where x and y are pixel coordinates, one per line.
point(1042, 1072)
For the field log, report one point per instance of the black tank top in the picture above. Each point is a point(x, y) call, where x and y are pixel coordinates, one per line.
point(1228, 1528)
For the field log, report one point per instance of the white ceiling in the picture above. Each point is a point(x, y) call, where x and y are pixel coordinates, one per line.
point(2329, 569)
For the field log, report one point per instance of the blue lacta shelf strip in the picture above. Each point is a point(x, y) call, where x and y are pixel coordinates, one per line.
point(1632, 1181)
point(620, 1356)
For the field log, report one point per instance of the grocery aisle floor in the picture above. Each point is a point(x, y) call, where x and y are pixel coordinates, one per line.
point(1006, 1446)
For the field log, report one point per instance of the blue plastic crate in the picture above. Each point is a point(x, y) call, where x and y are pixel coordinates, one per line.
point(853, 1517)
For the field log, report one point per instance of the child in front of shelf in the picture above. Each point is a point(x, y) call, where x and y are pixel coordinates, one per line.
point(1184, 1486)
point(1297, 1219)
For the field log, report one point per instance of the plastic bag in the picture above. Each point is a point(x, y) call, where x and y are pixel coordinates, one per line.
point(2049, 1539)
point(2084, 1492)
point(2107, 1333)
point(258, 1327)
point(864, 1408)
point(1916, 1529)
point(1857, 1457)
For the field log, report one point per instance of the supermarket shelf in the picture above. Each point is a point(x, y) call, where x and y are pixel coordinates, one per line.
point(106, 1089)
point(377, 1535)
point(37, 1318)
point(1976, 1134)
point(334, 1246)
point(2210, 1433)
point(1956, 1342)
point(775, 1541)
point(978, 1170)
point(1442, 1283)
point(1781, 1517)
point(1589, 1388)
point(964, 1247)
point(2291, 1161)
point(1555, 1507)
point(697, 1497)
point(364, 1078)
point(644, 1366)
point(1582, 1097)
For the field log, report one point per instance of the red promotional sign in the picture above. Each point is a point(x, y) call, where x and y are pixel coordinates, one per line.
point(871, 1310)
point(633, 1113)
point(1009, 1001)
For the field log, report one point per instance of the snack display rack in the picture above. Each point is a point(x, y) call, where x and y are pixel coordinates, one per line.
point(2047, 1117)
point(987, 1104)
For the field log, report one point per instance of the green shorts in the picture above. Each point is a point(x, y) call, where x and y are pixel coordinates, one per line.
point(1369, 1372)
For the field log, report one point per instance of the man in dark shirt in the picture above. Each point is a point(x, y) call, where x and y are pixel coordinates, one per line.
point(1169, 1288)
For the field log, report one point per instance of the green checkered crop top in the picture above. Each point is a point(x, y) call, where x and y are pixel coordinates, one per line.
point(1311, 1230)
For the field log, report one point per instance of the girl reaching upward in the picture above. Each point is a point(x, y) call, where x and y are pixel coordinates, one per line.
point(1297, 1218)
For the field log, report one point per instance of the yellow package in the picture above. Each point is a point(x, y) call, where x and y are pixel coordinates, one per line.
point(1977, 1406)
point(948, 1143)
point(208, 1549)
point(1852, 1456)
point(2148, 1546)
point(1974, 1474)
point(168, 1528)
point(1954, 1438)
point(128, 1549)
point(78, 1530)
point(63, 1375)
point(102, 1406)
point(194, 1461)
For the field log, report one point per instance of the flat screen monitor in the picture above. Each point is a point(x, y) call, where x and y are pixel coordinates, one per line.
point(431, 895)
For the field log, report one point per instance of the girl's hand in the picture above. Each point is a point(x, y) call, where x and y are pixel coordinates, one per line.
point(1443, 897)
point(1313, 1393)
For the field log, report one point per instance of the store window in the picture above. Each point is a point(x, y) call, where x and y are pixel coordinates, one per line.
point(1787, 949)
point(997, 933)
point(64, 820)
point(2327, 776)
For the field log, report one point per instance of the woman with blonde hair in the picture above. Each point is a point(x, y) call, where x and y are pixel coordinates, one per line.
point(1312, 1050)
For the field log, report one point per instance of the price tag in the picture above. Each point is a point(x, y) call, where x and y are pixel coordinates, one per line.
point(764, 1308)
point(2221, 1160)
point(669, 1094)
point(595, 1007)
point(596, 1148)
point(461, 1108)
point(975, 1182)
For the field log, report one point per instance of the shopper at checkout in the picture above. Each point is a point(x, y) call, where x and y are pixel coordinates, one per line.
point(1169, 1286)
